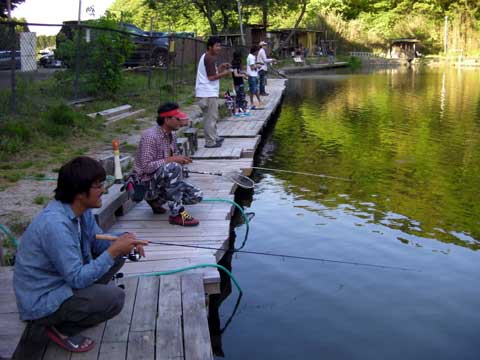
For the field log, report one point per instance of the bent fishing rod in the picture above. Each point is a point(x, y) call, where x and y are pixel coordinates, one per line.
point(284, 256)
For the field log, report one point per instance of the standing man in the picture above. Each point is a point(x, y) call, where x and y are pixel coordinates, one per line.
point(263, 61)
point(61, 271)
point(158, 167)
point(252, 73)
point(207, 89)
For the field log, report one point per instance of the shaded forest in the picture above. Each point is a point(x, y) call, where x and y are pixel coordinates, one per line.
point(357, 24)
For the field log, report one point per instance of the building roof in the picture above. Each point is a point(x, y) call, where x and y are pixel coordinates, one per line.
point(296, 30)
point(404, 40)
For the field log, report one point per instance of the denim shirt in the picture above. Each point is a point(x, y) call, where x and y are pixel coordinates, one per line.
point(53, 258)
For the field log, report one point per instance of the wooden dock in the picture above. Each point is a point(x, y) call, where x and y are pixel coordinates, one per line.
point(165, 317)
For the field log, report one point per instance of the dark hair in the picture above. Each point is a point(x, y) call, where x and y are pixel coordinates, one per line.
point(212, 40)
point(76, 177)
point(168, 106)
point(253, 49)
point(237, 58)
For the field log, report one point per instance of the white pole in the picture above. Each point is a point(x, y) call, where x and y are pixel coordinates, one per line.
point(445, 37)
point(79, 11)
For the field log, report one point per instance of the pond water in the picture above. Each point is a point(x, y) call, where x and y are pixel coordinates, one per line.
point(408, 144)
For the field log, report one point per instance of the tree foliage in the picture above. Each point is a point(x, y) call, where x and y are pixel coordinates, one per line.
point(3, 7)
point(358, 23)
point(102, 58)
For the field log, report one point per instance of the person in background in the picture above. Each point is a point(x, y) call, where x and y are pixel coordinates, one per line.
point(207, 89)
point(263, 61)
point(62, 272)
point(331, 55)
point(252, 72)
point(158, 167)
point(238, 76)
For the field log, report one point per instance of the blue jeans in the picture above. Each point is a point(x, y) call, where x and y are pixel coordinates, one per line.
point(253, 84)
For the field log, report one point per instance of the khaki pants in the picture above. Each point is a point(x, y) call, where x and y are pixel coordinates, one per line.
point(209, 108)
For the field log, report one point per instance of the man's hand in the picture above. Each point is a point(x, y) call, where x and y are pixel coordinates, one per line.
point(124, 244)
point(182, 160)
point(224, 67)
point(141, 250)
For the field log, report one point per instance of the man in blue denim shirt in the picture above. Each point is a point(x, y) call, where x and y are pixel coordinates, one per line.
point(61, 271)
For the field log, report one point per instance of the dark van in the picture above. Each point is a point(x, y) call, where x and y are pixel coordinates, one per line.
point(148, 50)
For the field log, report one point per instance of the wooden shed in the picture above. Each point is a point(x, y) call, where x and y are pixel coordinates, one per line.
point(406, 48)
point(313, 40)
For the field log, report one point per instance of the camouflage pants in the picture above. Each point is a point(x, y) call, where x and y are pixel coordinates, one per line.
point(167, 186)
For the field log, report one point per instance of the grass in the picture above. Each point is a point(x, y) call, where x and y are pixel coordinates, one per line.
point(41, 200)
point(45, 132)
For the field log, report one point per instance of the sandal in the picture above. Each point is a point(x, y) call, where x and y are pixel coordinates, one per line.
point(72, 343)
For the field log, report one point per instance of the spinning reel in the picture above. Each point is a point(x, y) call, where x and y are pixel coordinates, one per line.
point(134, 255)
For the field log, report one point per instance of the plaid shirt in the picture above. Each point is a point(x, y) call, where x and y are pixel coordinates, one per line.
point(155, 146)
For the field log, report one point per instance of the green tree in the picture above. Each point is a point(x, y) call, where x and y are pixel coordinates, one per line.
point(102, 57)
point(3, 7)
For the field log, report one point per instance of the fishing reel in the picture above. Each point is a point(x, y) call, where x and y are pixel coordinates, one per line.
point(134, 255)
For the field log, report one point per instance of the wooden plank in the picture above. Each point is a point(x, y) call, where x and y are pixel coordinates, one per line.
point(111, 112)
point(113, 351)
point(141, 344)
point(11, 328)
point(195, 325)
point(145, 309)
point(169, 338)
point(117, 329)
point(55, 352)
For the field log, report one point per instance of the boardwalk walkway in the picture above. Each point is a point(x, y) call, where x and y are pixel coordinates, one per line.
point(165, 317)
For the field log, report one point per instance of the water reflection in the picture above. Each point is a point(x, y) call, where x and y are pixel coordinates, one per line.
point(408, 139)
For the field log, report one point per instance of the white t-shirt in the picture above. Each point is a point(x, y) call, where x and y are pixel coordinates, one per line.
point(251, 60)
point(203, 86)
point(262, 59)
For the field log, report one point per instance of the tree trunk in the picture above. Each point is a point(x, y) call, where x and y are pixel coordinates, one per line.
point(265, 13)
point(206, 9)
point(225, 21)
point(289, 37)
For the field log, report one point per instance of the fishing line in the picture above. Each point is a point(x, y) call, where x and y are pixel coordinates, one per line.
point(284, 171)
point(300, 173)
point(286, 256)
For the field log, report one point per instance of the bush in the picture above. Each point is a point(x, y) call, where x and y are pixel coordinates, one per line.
point(102, 58)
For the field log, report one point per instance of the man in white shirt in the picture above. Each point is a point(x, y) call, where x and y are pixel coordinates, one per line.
point(252, 73)
point(262, 60)
point(207, 89)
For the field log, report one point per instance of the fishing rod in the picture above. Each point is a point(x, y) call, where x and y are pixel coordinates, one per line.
point(284, 256)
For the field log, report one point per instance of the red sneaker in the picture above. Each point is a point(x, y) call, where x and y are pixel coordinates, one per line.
point(183, 219)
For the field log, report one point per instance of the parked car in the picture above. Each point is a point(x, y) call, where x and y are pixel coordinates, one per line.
point(47, 59)
point(148, 49)
point(6, 59)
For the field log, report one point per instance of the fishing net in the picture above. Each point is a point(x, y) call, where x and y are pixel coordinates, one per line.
point(232, 176)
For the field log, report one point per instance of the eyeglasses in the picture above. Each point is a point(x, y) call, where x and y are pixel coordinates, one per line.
point(100, 185)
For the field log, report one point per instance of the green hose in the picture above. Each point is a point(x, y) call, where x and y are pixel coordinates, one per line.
point(170, 272)
point(9, 235)
point(245, 219)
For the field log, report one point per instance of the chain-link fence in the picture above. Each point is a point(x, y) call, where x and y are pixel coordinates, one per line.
point(85, 61)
